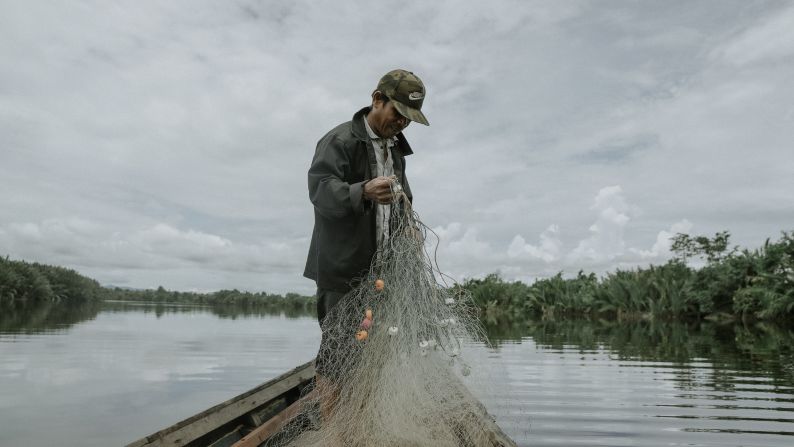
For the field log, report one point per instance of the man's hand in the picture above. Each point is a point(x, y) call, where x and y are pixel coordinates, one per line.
point(379, 189)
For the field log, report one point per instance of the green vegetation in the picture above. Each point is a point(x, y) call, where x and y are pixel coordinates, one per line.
point(732, 283)
point(748, 284)
point(226, 311)
point(245, 302)
point(24, 285)
point(34, 282)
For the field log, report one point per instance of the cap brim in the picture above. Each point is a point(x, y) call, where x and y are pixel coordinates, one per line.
point(411, 113)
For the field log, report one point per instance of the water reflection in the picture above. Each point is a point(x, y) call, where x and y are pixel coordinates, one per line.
point(134, 367)
point(26, 317)
point(127, 370)
point(731, 348)
point(231, 311)
point(22, 317)
point(647, 383)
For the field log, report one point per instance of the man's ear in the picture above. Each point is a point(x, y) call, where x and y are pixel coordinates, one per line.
point(377, 98)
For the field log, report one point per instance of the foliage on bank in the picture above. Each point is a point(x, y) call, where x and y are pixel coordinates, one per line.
point(733, 283)
point(24, 283)
point(34, 282)
point(240, 300)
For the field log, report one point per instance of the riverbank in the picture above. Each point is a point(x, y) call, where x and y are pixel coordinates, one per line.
point(24, 284)
point(731, 283)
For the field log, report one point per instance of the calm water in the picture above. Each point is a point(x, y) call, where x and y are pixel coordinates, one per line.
point(107, 375)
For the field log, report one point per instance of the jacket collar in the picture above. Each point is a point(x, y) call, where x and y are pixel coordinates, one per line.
point(360, 132)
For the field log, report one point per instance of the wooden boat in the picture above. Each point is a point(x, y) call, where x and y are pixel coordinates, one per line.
point(251, 418)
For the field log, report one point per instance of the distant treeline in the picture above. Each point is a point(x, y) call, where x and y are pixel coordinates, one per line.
point(733, 283)
point(242, 300)
point(28, 283)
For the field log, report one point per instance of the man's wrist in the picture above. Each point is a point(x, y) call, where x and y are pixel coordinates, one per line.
point(364, 191)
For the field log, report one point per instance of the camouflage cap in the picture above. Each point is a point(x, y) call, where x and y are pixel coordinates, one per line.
point(407, 92)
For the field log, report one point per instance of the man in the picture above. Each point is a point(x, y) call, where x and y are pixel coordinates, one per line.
point(350, 182)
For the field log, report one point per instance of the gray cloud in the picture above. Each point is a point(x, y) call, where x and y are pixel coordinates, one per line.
point(167, 143)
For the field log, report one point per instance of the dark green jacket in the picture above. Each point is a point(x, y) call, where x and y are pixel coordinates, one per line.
point(344, 236)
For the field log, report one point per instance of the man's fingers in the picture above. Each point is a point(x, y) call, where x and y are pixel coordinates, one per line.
point(384, 197)
point(381, 189)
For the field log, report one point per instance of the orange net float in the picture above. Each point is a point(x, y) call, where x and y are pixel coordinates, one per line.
point(379, 284)
point(361, 335)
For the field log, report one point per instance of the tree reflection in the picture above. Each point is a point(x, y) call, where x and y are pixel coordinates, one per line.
point(25, 317)
point(729, 348)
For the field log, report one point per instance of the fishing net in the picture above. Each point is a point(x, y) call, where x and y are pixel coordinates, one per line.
point(393, 370)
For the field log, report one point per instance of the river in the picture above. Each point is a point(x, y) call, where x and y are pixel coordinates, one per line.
point(110, 373)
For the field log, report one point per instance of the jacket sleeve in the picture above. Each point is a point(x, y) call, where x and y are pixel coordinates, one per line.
point(331, 194)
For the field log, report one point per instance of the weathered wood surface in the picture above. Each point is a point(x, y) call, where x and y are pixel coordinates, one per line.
point(194, 427)
point(482, 423)
point(274, 424)
point(479, 426)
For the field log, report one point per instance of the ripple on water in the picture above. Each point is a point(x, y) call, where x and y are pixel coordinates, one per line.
point(130, 372)
point(566, 395)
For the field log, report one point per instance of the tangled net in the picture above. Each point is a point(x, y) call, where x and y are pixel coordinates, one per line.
point(392, 350)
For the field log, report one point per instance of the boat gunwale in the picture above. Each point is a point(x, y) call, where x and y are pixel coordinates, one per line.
point(189, 429)
point(193, 428)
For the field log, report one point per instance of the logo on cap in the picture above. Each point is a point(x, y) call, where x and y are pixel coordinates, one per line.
point(413, 96)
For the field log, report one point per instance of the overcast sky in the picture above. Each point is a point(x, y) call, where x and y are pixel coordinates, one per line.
point(166, 143)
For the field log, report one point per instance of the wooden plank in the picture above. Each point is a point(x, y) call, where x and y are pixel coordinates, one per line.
point(259, 417)
point(196, 426)
point(478, 424)
point(482, 423)
point(274, 424)
point(229, 439)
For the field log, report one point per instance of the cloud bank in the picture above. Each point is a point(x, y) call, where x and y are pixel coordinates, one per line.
point(150, 144)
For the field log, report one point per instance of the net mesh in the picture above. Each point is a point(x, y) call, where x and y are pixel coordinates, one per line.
point(393, 371)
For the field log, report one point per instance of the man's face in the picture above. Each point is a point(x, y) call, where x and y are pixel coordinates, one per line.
point(385, 120)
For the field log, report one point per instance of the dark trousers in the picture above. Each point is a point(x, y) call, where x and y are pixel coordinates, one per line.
point(332, 352)
point(326, 300)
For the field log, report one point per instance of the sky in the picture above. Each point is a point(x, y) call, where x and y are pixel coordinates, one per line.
point(152, 143)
